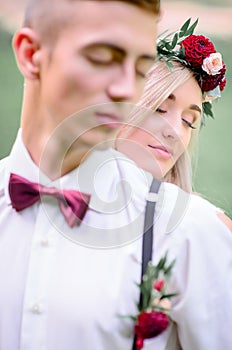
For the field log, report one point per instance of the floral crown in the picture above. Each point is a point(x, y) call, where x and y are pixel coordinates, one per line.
point(198, 54)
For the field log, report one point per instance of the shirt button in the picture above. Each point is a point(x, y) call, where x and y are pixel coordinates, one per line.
point(44, 242)
point(36, 309)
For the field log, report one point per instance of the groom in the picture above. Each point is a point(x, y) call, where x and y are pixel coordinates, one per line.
point(62, 197)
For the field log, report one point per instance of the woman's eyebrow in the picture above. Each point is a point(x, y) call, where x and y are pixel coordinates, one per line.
point(195, 108)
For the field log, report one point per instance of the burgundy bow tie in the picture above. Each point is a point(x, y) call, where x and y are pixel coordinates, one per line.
point(24, 193)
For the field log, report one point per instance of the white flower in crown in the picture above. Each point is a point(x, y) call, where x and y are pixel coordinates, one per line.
point(211, 95)
point(213, 64)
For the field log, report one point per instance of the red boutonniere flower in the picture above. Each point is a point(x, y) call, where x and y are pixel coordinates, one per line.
point(149, 325)
point(153, 313)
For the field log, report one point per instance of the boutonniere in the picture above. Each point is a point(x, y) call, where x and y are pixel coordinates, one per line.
point(153, 310)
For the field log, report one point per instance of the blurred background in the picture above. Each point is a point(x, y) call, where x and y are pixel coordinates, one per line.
point(213, 178)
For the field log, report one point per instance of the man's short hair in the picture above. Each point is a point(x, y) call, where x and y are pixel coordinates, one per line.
point(33, 5)
point(46, 16)
point(150, 5)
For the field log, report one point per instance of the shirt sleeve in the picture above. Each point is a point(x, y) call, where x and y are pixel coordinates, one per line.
point(202, 276)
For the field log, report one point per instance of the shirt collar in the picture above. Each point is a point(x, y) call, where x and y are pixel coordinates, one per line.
point(19, 162)
point(86, 178)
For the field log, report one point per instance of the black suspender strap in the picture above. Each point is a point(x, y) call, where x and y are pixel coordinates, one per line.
point(148, 225)
point(148, 233)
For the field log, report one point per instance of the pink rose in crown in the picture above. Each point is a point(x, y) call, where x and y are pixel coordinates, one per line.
point(210, 82)
point(213, 64)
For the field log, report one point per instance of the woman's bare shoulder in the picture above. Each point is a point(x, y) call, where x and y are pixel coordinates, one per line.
point(227, 221)
point(220, 213)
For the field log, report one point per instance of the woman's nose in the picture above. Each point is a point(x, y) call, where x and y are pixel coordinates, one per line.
point(172, 129)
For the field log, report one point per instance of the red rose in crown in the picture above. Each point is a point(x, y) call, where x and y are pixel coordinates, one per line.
point(197, 47)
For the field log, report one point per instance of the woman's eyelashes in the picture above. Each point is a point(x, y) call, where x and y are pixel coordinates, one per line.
point(160, 110)
point(188, 123)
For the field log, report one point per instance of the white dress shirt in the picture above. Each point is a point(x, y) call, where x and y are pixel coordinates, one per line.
point(65, 288)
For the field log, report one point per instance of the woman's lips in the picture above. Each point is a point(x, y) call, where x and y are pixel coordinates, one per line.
point(161, 151)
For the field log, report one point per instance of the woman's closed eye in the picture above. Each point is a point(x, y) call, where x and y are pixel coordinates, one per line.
point(160, 110)
point(188, 123)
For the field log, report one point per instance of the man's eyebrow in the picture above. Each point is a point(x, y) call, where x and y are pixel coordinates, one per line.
point(151, 58)
point(118, 50)
point(103, 44)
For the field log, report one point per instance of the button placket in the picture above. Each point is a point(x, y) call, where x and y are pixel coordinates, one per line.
point(40, 265)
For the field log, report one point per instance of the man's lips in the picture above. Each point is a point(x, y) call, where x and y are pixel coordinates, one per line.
point(109, 120)
point(162, 151)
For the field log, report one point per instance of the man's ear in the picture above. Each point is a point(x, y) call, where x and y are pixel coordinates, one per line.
point(26, 46)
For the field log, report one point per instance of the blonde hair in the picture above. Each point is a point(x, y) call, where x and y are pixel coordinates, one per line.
point(160, 84)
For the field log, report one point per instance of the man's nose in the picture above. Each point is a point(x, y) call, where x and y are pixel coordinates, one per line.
point(125, 85)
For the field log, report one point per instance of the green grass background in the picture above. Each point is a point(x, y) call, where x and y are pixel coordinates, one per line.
point(214, 173)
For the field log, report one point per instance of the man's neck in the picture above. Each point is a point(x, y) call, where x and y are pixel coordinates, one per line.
point(53, 156)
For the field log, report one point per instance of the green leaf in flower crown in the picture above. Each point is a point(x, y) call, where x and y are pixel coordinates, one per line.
point(207, 109)
point(169, 35)
point(174, 41)
point(168, 46)
point(192, 28)
point(170, 65)
point(164, 32)
point(182, 52)
point(184, 28)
